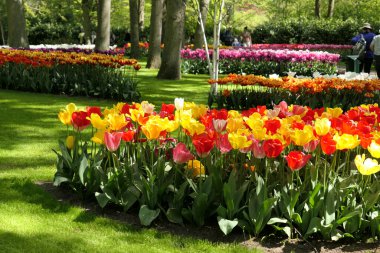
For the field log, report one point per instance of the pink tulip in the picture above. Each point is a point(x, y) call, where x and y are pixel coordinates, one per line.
point(257, 148)
point(112, 140)
point(311, 146)
point(223, 144)
point(219, 125)
point(181, 154)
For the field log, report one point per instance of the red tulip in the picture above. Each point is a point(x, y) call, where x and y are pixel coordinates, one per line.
point(79, 120)
point(272, 148)
point(93, 109)
point(112, 140)
point(167, 110)
point(272, 125)
point(181, 154)
point(297, 160)
point(203, 144)
point(328, 145)
point(128, 136)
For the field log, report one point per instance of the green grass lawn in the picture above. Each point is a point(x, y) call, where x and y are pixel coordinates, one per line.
point(31, 220)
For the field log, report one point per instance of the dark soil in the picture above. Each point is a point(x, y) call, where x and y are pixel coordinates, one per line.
point(211, 231)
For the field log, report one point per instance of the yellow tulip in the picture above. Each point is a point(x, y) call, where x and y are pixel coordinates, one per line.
point(374, 149)
point(119, 106)
point(346, 141)
point(191, 125)
point(334, 112)
point(98, 137)
point(196, 167)
point(239, 141)
point(256, 123)
point(65, 117)
point(171, 125)
point(70, 141)
point(366, 166)
point(71, 108)
point(234, 124)
point(302, 137)
point(98, 122)
point(322, 126)
point(234, 114)
point(199, 111)
point(152, 130)
point(116, 122)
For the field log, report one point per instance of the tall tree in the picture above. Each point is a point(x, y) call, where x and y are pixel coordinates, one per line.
point(17, 37)
point(154, 53)
point(174, 28)
point(141, 14)
point(330, 10)
point(198, 38)
point(2, 32)
point(104, 25)
point(317, 8)
point(134, 26)
point(86, 20)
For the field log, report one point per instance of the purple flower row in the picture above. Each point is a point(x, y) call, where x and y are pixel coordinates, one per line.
point(301, 46)
point(265, 55)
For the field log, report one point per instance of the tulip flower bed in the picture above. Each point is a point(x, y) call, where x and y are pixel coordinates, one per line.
point(291, 169)
point(70, 73)
point(262, 62)
point(245, 91)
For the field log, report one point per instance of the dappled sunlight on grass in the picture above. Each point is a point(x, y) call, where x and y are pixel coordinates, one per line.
point(191, 87)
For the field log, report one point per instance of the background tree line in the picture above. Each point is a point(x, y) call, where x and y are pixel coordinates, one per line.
point(296, 21)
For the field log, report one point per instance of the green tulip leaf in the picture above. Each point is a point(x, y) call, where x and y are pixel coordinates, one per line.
point(147, 215)
point(102, 199)
point(227, 225)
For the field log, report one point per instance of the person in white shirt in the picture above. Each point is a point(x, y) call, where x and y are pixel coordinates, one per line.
point(375, 48)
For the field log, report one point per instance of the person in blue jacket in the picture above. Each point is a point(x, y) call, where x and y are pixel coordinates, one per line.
point(368, 36)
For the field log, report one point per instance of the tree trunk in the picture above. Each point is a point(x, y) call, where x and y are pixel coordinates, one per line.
point(171, 58)
point(2, 32)
point(330, 10)
point(141, 15)
point(134, 26)
point(104, 25)
point(17, 37)
point(86, 19)
point(154, 54)
point(317, 9)
point(215, 56)
point(198, 38)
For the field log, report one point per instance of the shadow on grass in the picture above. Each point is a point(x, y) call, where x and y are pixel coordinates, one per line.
point(12, 242)
point(24, 190)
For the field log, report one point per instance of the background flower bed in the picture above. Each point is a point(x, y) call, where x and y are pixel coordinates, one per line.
point(261, 62)
point(71, 73)
point(242, 92)
point(289, 169)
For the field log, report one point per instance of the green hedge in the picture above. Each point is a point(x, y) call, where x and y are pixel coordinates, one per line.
point(307, 31)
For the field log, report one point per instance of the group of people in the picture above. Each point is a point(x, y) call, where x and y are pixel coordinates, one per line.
point(372, 49)
point(245, 39)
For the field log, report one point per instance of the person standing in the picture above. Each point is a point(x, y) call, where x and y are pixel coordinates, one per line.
point(247, 39)
point(368, 57)
point(375, 47)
